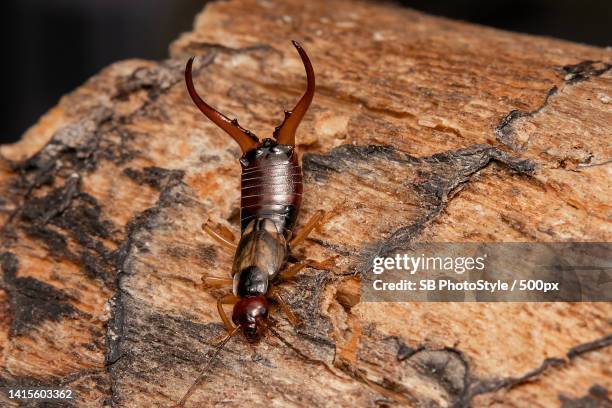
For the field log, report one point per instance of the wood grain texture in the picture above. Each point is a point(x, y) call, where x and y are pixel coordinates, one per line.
point(422, 129)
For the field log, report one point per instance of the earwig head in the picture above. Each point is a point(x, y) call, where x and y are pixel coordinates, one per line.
point(283, 134)
point(251, 315)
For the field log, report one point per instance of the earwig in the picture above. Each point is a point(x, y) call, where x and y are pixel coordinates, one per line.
point(271, 196)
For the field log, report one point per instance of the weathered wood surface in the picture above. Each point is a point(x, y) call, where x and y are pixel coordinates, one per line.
point(421, 129)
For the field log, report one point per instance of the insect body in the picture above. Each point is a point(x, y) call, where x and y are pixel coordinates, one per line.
point(271, 194)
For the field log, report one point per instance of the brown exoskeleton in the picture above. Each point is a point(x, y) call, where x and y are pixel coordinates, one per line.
point(271, 194)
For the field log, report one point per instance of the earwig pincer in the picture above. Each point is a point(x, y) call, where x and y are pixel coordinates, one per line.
point(271, 195)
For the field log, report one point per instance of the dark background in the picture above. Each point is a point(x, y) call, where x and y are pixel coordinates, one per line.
point(52, 46)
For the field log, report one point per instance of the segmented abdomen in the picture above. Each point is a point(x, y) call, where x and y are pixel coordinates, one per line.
point(272, 189)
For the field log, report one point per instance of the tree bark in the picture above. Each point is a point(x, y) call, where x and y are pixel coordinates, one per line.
point(422, 129)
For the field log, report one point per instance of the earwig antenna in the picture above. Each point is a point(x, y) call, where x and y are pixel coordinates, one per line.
point(303, 356)
point(285, 133)
point(205, 371)
point(243, 137)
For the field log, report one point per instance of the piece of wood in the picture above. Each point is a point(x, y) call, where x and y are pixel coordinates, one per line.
point(422, 129)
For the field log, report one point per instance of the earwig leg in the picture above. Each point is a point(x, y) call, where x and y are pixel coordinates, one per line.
point(275, 295)
point(226, 300)
point(307, 229)
point(226, 244)
point(214, 282)
point(294, 269)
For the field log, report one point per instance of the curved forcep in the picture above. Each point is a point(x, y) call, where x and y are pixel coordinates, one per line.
point(245, 139)
point(284, 134)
